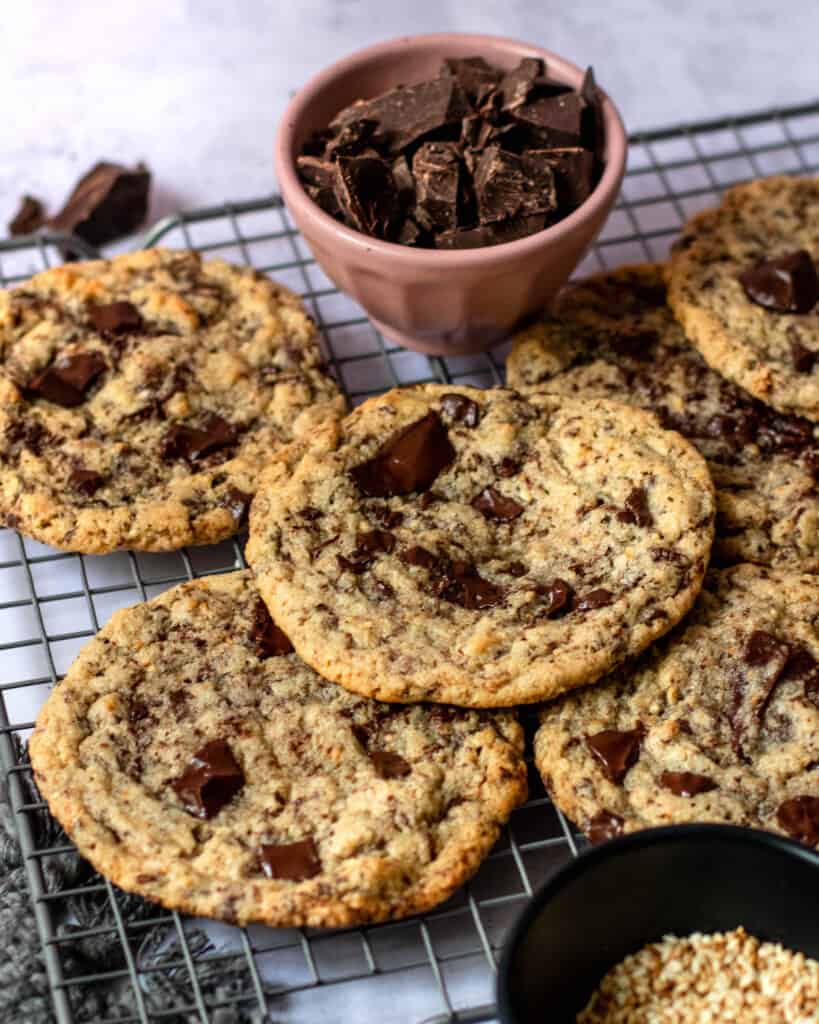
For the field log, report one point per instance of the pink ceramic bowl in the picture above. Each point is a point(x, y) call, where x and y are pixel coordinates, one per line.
point(440, 302)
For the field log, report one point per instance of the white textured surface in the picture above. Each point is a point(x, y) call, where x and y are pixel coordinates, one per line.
point(195, 87)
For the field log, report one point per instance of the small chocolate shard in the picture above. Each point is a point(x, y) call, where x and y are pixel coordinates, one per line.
point(507, 468)
point(506, 187)
point(368, 547)
point(30, 216)
point(410, 461)
point(194, 443)
point(604, 825)
point(138, 711)
point(556, 598)
point(494, 505)
point(384, 515)
point(436, 169)
point(211, 780)
point(687, 783)
point(237, 502)
point(616, 750)
point(107, 203)
point(635, 509)
point(67, 379)
point(290, 862)
point(85, 481)
point(269, 641)
point(388, 765)
point(803, 358)
point(366, 192)
point(115, 318)
point(476, 77)
point(417, 555)
point(355, 137)
point(799, 818)
point(787, 284)
point(383, 589)
point(463, 585)
point(515, 86)
point(461, 409)
point(594, 599)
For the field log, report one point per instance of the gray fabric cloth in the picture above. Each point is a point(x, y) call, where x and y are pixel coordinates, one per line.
point(25, 996)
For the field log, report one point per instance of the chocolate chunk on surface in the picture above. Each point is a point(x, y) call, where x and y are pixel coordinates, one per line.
point(107, 203)
point(799, 817)
point(516, 85)
point(290, 862)
point(211, 780)
point(803, 358)
point(365, 190)
point(574, 172)
point(617, 750)
point(115, 318)
point(30, 216)
point(417, 555)
point(436, 167)
point(786, 284)
point(507, 187)
point(194, 443)
point(557, 119)
point(67, 379)
point(556, 598)
point(635, 508)
point(687, 783)
point(269, 641)
point(599, 598)
point(389, 765)
point(409, 461)
point(463, 585)
point(461, 409)
point(495, 505)
point(85, 481)
point(475, 76)
point(604, 825)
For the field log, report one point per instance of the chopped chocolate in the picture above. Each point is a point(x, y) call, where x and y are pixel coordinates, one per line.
point(107, 203)
point(507, 467)
point(556, 598)
point(428, 498)
point(194, 443)
point(211, 780)
point(495, 505)
point(436, 169)
point(799, 817)
point(762, 647)
point(788, 284)
point(475, 76)
point(383, 589)
point(67, 379)
point(417, 555)
point(410, 461)
point(616, 750)
point(30, 216)
point(803, 358)
point(267, 638)
point(461, 409)
point(388, 765)
point(237, 503)
point(507, 186)
point(594, 599)
point(491, 234)
point(375, 541)
point(464, 586)
point(635, 509)
point(687, 783)
point(85, 481)
point(515, 86)
point(366, 192)
point(604, 825)
point(353, 139)
point(387, 517)
point(557, 119)
point(115, 318)
point(290, 862)
point(573, 169)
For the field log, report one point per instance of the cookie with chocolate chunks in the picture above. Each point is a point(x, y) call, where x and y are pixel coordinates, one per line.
point(745, 287)
point(613, 336)
point(194, 759)
point(480, 548)
point(717, 722)
point(140, 397)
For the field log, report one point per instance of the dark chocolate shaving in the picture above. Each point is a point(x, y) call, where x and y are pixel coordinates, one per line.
point(417, 555)
point(290, 862)
point(409, 461)
point(556, 598)
point(211, 780)
point(616, 750)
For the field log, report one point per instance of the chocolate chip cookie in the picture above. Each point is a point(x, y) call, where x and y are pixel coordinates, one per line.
point(140, 396)
point(193, 758)
point(718, 722)
point(480, 548)
point(613, 336)
point(745, 288)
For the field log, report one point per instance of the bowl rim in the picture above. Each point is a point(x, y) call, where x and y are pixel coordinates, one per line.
point(621, 846)
point(293, 192)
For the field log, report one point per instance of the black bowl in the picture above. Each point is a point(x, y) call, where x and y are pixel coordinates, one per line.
point(617, 897)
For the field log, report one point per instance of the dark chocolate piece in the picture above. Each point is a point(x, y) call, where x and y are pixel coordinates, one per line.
point(635, 508)
point(366, 191)
point(67, 379)
point(803, 358)
point(388, 765)
point(495, 233)
point(115, 318)
point(762, 647)
point(799, 817)
point(290, 862)
point(85, 481)
point(107, 203)
point(30, 216)
point(237, 503)
point(616, 750)
point(507, 467)
point(788, 284)
point(476, 77)
point(268, 639)
point(354, 137)
point(436, 169)
point(495, 505)
point(594, 599)
point(194, 443)
point(507, 188)
point(461, 409)
point(211, 780)
point(557, 597)
point(557, 119)
point(604, 825)
point(388, 518)
point(418, 556)
point(463, 585)
point(573, 169)
point(687, 783)
point(515, 86)
point(410, 461)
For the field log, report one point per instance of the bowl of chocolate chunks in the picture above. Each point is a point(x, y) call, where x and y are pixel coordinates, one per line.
point(450, 183)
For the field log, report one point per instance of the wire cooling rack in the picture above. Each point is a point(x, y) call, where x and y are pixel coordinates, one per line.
point(439, 967)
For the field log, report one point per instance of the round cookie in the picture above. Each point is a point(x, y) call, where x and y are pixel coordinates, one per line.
point(762, 241)
point(719, 722)
point(480, 548)
point(140, 396)
point(613, 336)
point(193, 759)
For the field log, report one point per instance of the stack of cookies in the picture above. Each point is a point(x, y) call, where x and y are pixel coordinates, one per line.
point(329, 737)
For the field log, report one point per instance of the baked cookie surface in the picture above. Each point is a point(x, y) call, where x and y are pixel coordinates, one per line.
point(140, 396)
point(478, 547)
point(613, 336)
point(719, 722)
point(744, 286)
point(196, 761)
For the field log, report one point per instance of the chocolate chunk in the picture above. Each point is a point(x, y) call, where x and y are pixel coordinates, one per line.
point(316, 171)
point(604, 825)
point(464, 586)
point(268, 640)
point(374, 542)
point(67, 379)
point(515, 86)
point(507, 467)
point(107, 203)
point(383, 589)
point(388, 765)
point(436, 169)
point(366, 192)
point(211, 780)
point(507, 187)
point(418, 556)
point(428, 498)
point(495, 505)
point(799, 817)
point(475, 76)
point(138, 711)
point(461, 409)
point(410, 461)
point(616, 750)
point(801, 664)
point(115, 318)
point(687, 783)
point(762, 647)
point(594, 599)
point(237, 503)
point(30, 216)
point(354, 137)
point(85, 481)
point(290, 862)
point(803, 359)
point(573, 169)
point(491, 234)
point(387, 517)
point(787, 284)
point(636, 510)
point(557, 119)
point(194, 443)
point(557, 598)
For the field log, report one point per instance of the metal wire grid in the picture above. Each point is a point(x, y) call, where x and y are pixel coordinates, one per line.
point(439, 966)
